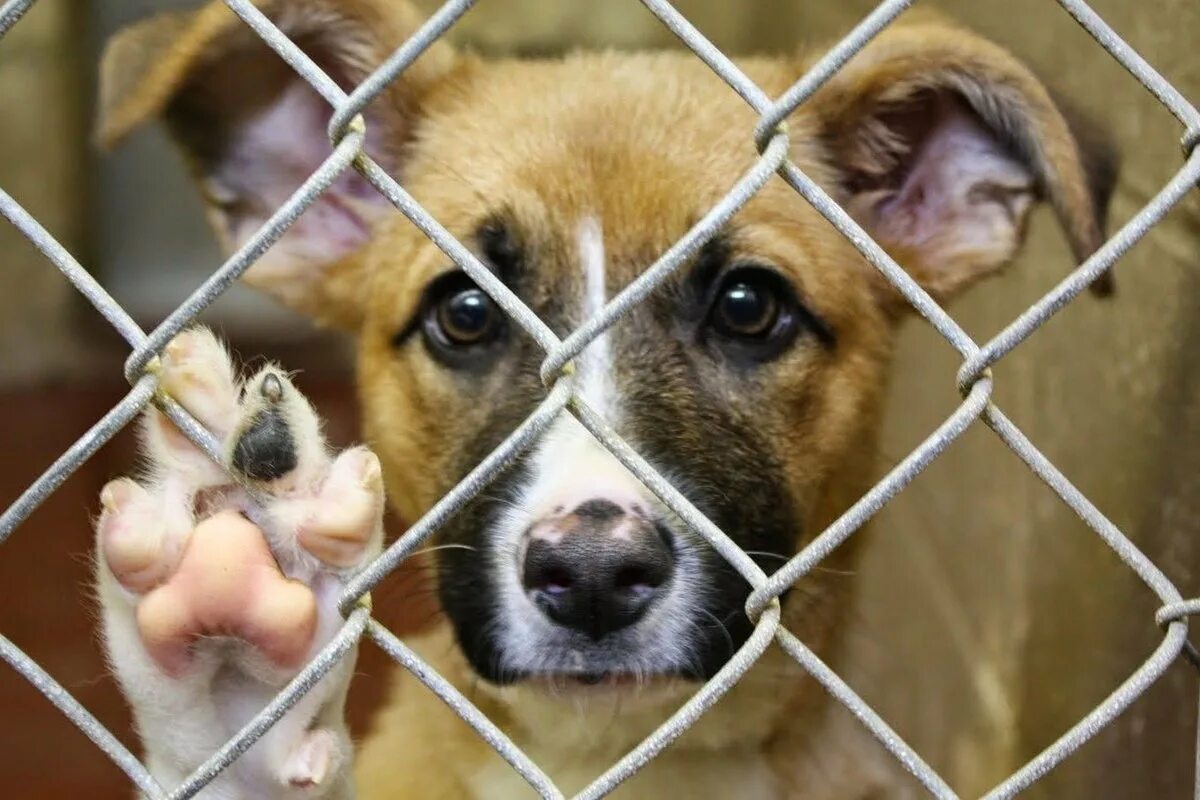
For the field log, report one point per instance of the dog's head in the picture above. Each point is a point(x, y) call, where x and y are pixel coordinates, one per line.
point(750, 379)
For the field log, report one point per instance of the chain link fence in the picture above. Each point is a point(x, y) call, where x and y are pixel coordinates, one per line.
point(974, 380)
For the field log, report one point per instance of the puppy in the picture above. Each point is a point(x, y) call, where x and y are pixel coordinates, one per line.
point(578, 612)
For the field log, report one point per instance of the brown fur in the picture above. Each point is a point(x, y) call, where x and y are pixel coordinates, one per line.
point(647, 142)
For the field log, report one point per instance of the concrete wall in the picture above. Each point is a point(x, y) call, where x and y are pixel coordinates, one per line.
point(42, 142)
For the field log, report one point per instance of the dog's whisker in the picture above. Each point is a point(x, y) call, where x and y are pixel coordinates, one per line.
point(439, 547)
point(767, 554)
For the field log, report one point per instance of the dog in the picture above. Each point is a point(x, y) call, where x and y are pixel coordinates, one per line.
point(576, 610)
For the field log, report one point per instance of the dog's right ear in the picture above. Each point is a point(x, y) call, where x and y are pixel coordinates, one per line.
point(944, 141)
point(253, 130)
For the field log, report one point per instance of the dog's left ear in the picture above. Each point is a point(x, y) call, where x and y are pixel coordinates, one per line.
point(942, 142)
point(252, 130)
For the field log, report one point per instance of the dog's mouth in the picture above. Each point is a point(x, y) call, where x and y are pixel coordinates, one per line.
point(622, 686)
point(616, 679)
point(613, 666)
point(613, 679)
point(608, 679)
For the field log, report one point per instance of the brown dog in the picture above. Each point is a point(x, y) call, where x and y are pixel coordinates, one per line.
point(579, 612)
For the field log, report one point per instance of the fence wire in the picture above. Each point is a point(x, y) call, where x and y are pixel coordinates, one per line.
point(347, 133)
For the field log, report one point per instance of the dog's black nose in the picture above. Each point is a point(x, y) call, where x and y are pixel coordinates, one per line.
point(598, 568)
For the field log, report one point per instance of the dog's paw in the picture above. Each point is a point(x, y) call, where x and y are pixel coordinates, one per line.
point(219, 582)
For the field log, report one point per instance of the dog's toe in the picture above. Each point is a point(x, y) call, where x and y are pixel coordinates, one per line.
point(346, 513)
point(197, 372)
point(313, 759)
point(138, 534)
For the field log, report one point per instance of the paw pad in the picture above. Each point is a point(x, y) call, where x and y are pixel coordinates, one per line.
point(227, 584)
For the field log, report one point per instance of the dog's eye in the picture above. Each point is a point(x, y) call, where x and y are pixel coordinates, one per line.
point(751, 304)
point(467, 317)
point(459, 316)
point(746, 306)
point(754, 315)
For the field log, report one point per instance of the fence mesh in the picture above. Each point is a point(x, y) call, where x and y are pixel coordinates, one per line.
point(347, 133)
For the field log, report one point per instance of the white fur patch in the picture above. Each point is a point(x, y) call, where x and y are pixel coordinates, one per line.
point(570, 467)
point(595, 363)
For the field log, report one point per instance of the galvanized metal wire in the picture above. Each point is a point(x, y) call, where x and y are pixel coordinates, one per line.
point(347, 134)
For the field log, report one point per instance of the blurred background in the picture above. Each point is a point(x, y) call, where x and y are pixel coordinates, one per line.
point(990, 618)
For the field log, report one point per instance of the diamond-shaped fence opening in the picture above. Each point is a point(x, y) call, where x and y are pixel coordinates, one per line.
point(347, 132)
